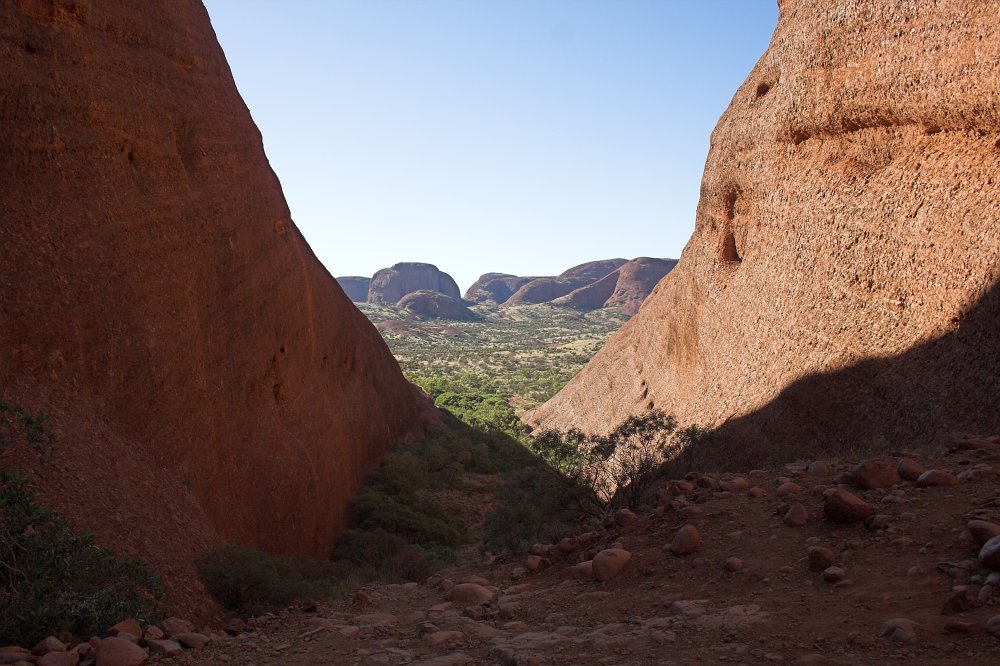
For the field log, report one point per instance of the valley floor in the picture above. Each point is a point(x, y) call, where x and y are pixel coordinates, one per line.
point(915, 561)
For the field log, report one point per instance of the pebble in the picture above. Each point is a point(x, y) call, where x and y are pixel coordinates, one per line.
point(796, 516)
point(900, 629)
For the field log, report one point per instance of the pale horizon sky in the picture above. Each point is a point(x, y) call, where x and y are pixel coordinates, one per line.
point(515, 136)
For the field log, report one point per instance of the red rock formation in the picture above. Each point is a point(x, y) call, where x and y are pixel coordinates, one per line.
point(204, 368)
point(390, 285)
point(593, 270)
point(435, 305)
point(636, 281)
point(840, 282)
point(625, 289)
point(545, 289)
point(495, 288)
point(355, 287)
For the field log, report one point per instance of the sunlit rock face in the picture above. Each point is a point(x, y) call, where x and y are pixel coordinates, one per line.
point(159, 300)
point(840, 282)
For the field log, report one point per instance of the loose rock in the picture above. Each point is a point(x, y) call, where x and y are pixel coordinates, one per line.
point(875, 473)
point(608, 563)
point(844, 507)
point(686, 541)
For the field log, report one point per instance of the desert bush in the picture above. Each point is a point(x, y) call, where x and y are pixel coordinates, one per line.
point(19, 425)
point(58, 581)
point(617, 467)
point(249, 582)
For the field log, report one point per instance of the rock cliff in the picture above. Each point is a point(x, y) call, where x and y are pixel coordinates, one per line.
point(841, 279)
point(355, 287)
point(205, 372)
point(390, 285)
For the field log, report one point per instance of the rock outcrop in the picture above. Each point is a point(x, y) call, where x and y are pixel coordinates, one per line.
point(842, 277)
point(545, 289)
point(203, 370)
point(593, 270)
point(495, 288)
point(625, 289)
point(355, 287)
point(435, 305)
point(390, 285)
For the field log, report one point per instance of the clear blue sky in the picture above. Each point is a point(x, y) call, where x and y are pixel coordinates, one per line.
point(518, 136)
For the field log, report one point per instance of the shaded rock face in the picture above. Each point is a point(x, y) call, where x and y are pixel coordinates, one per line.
point(355, 287)
point(389, 285)
point(435, 305)
point(625, 289)
point(204, 371)
point(841, 280)
point(495, 288)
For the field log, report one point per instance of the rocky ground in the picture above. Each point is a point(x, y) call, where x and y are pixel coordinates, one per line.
point(810, 563)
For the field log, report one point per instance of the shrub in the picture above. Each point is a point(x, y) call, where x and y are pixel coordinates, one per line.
point(57, 581)
point(250, 582)
point(17, 424)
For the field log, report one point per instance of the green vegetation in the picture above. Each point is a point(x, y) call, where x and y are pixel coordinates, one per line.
point(56, 581)
point(250, 582)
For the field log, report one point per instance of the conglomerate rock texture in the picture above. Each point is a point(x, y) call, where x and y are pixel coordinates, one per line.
point(204, 370)
point(841, 279)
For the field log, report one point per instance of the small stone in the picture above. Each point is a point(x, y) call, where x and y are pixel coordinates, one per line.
point(681, 487)
point(818, 468)
point(821, 558)
point(900, 629)
point(875, 473)
point(796, 516)
point(583, 570)
point(129, 627)
point(174, 625)
point(834, 574)
point(470, 594)
point(989, 554)
point(192, 640)
point(49, 644)
point(734, 564)
point(116, 651)
point(756, 492)
point(625, 518)
point(534, 563)
point(937, 477)
point(788, 488)
point(844, 507)
point(567, 545)
point(71, 658)
point(439, 638)
point(982, 531)
point(878, 521)
point(956, 627)
point(909, 469)
point(540, 549)
point(993, 626)
point(164, 648)
point(154, 633)
point(686, 541)
point(734, 484)
point(609, 562)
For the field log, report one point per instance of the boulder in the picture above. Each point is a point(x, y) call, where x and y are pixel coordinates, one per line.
point(469, 594)
point(989, 554)
point(909, 469)
point(116, 651)
point(982, 531)
point(875, 473)
point(609, 562)
point(937, 477)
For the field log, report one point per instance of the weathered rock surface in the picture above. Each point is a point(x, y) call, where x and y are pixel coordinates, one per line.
point(202, 369)
point(841, 278)
point(355, 287)
point(545, 289)
point(435, 305)
point(390, 285)
point(495, 288)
